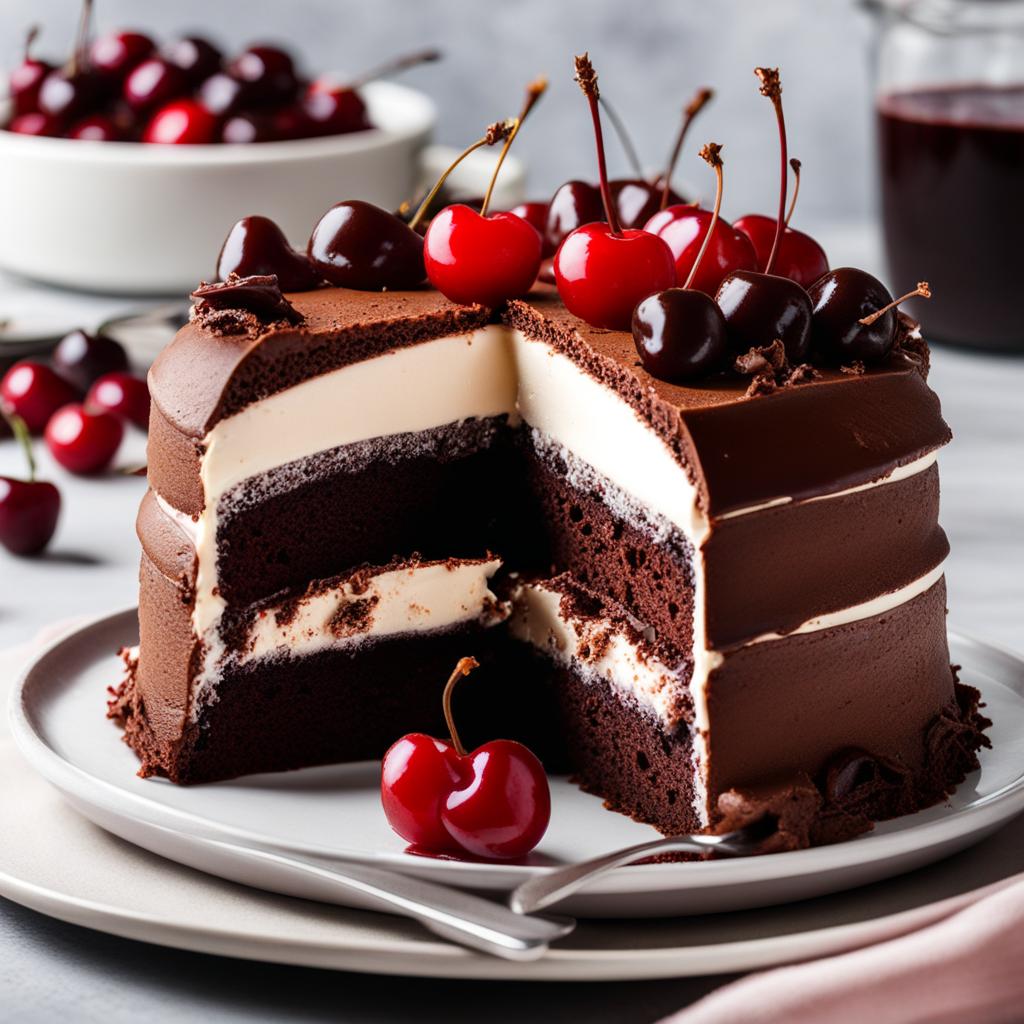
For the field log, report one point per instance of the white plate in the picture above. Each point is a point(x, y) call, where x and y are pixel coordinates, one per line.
point(58, 721)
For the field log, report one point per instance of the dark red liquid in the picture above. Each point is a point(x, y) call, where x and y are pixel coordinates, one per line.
point(952, 184)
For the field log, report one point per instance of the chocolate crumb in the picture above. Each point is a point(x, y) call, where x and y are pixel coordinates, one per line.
point(231, 303)
point(762, 358)
point(856, 368)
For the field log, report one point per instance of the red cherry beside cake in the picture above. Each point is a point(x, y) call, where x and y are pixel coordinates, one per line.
point(493, 802)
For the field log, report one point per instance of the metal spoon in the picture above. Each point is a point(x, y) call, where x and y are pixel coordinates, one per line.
point(550, 888)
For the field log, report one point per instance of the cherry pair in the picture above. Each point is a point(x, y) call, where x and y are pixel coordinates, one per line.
point(493, 802)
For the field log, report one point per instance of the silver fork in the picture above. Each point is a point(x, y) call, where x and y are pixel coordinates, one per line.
point(548, 889)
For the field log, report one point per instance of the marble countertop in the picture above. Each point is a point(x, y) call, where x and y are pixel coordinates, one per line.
point(51, 970)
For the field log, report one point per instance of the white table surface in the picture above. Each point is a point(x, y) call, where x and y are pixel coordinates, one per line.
point(50, 970)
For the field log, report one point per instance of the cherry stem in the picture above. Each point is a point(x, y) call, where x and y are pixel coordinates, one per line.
point(495, 133)
point(922, 290)
point(534, 91)
point(624, 138)
point(771, 86)
point(700, 100)
point(796, 165)
point(586, 79)
point(30, 40)
point(403, 63)
point(712, 154)
point(463, 668)
point(78, 56)
point(21, 434)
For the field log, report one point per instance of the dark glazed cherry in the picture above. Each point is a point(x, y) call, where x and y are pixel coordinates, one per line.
point(114, 55)
point(759, 308)
point(679, 334)
point(195, 56)
point(574, 204)
point(80, 358)
point(268, 70)
point(854, 315)
point(153, 83)
point(256, 246)
point(358, 245)
point(637, 201)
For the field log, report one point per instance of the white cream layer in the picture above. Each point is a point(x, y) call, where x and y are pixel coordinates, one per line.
point(537, 619)
point(417, 598)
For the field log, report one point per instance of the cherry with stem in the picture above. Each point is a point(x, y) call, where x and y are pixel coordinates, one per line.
point(463, 668)
point(700, 100)
point(923, 290)
point(29, 509)
point(680, 333)
point(796, 165)
point(481, 258)
point(771, 87)
point(396, 64)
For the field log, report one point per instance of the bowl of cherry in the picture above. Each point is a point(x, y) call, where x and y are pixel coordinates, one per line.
point(122, 166)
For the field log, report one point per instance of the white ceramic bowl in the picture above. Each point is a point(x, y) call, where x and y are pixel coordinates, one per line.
point(130, 218)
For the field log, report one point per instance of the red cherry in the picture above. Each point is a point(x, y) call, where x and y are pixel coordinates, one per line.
point(35, 123)
point(417, 775)
point(493, 802)
point(291, 122)
point(335, 111)
point(270, 72)
point(196, 56)
point(800, 257)
point(533, 212)
point(114, 55)
point(182, 122)
point(153, 83)
point(34, 392)
point(602, 276)
point(683, 229)
point(474, 259)
point(503, 807)
point(68, 94)
point(223, 95)
point(24, 81)
point(28, 514)
point(83, 442)
point(96, 128)
point(574, 204)
point(243, 129)
point(123, 395)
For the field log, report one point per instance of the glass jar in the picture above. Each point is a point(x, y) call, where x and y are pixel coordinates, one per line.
point(950, 114)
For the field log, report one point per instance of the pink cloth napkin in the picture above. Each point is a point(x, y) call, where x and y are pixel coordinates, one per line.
point(967, 965)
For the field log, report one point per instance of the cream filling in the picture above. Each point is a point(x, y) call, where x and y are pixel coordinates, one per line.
point(416, 598)
point(597, 648)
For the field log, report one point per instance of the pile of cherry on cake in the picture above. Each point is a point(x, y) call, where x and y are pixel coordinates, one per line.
point(122, 87)
point(81, 401)
point(702, 297)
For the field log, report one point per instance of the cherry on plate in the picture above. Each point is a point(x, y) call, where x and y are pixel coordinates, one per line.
point(28, 508)
point(83, 442)
point(81, 357)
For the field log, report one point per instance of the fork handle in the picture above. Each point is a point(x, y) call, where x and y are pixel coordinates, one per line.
point(547, 889)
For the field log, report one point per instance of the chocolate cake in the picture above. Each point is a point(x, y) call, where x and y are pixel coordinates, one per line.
point(707, 602)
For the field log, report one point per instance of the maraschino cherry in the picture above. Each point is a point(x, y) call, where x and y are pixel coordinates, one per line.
point(474, 257)
point(25, 80)
point(855, 316)
point(83, 442)
point(680, 333)
point(760, 307)
point(601, 270)
point(122, 394)
point(493, 802)
point(34, 392)
point(29, 509)
point(257, 246)
point(800, 257)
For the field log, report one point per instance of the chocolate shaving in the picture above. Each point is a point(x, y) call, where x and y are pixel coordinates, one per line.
point(770, 369)
point(258, 295)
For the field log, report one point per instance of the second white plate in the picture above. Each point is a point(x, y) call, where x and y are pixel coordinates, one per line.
point(334, 811)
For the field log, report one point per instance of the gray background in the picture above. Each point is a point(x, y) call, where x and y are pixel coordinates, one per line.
point(650, 54)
